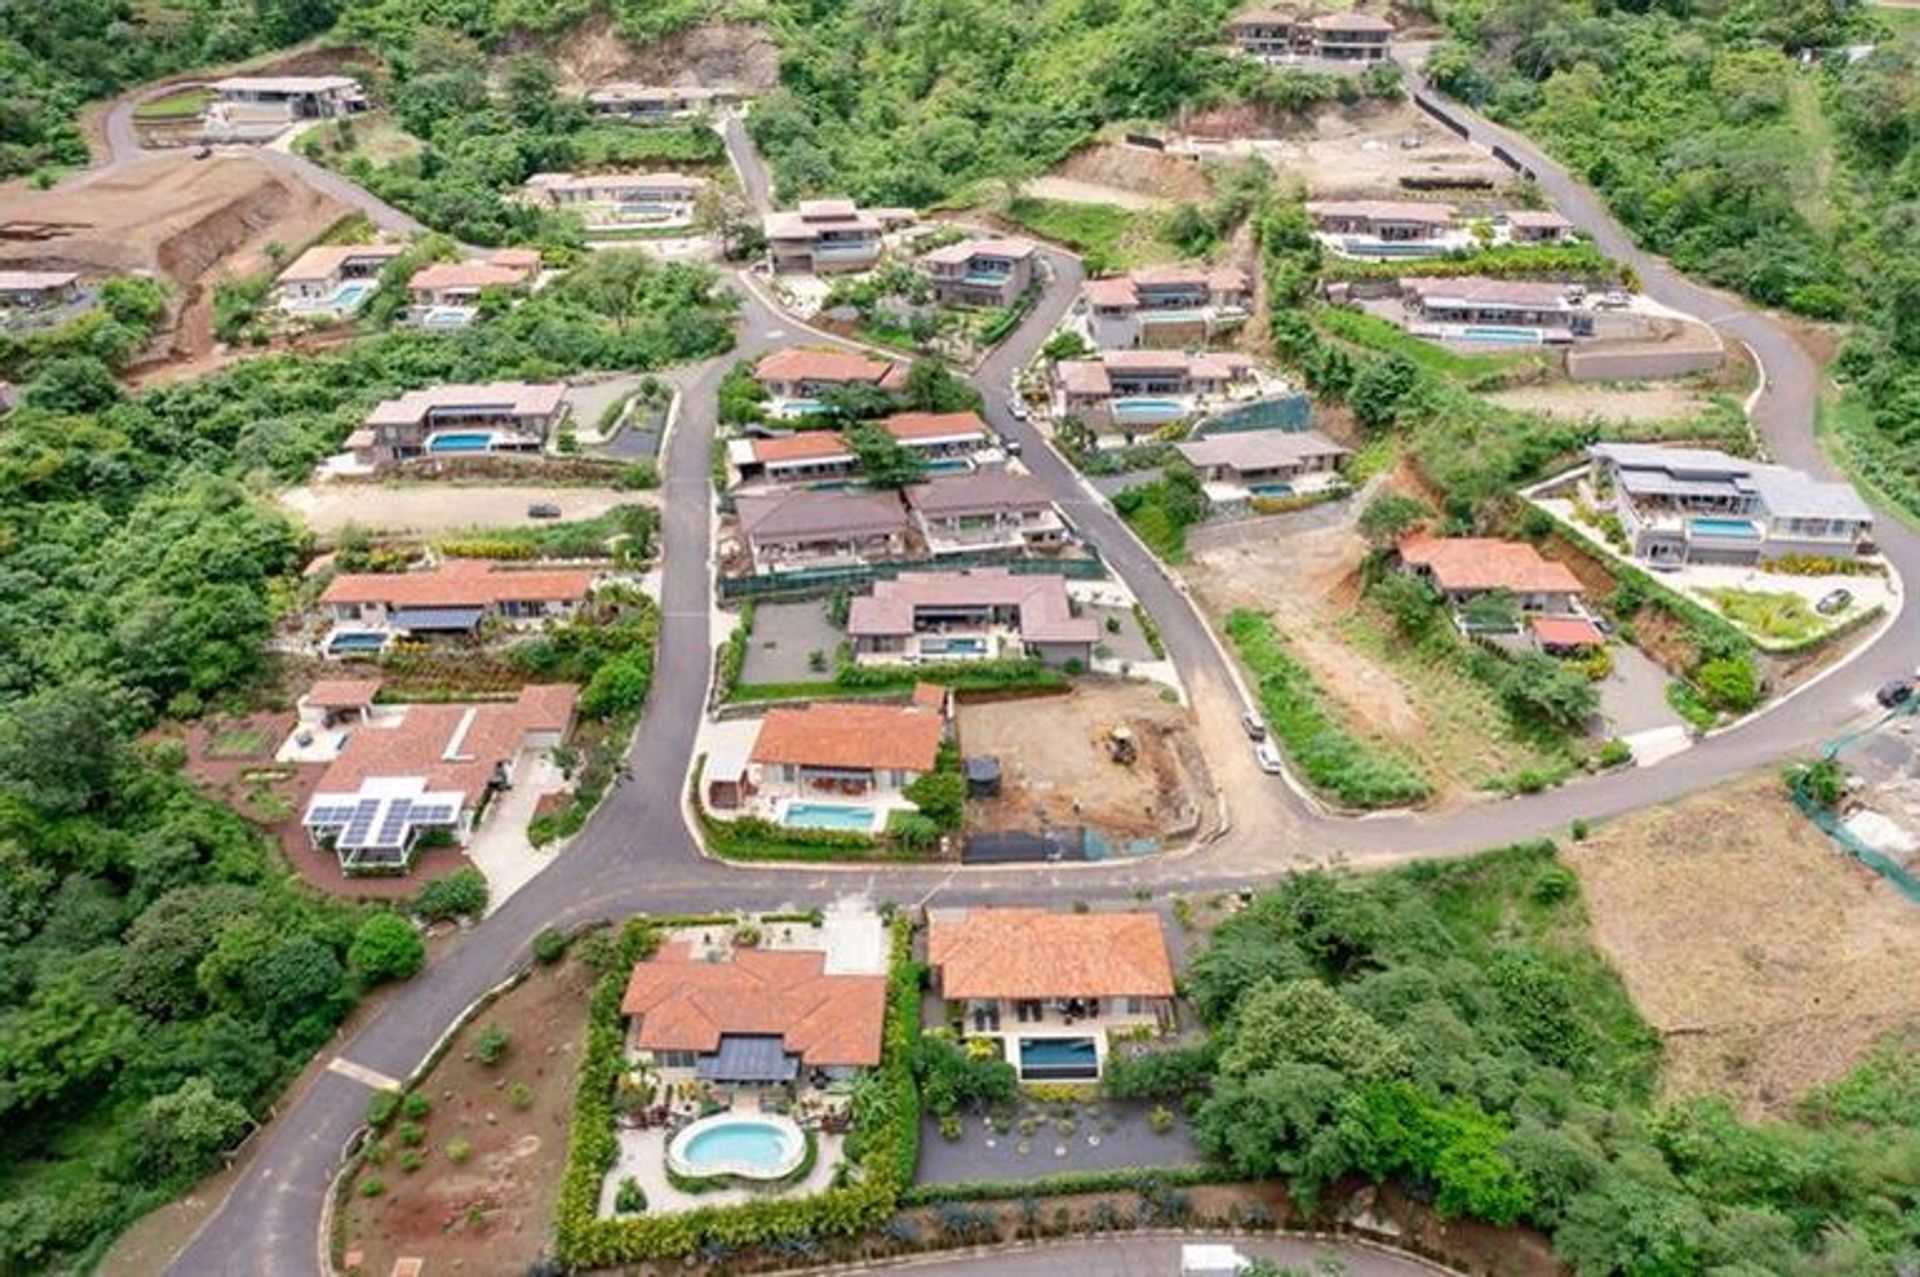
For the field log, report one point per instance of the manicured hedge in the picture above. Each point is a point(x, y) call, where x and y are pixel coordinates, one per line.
point(1123, 1180)
point(886, 1137)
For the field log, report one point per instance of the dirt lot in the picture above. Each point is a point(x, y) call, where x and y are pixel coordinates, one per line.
point(193, 222)
point(712, 55)
point(1606, 403)
point(1127, 176)
point(1347, 152)
point(1056, 771)
point(1768, 961)
point(493, 1212)
point(430, 508)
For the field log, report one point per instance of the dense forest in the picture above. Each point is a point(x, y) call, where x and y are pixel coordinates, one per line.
point(1450, 1026)
point(1768, 145)
point(160, 977)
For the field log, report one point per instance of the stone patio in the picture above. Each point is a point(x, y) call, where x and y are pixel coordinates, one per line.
point(643, 1155)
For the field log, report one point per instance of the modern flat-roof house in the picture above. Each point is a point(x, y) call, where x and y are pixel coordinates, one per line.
point(461, 420)
point(1165, 306)
point(1467, 302)
point(986, 511)
point(1238, 466)
point(797, 377)
point(838, 750)
point(36, 289)
point(985, 614)
point(401, 771)
point(823, 236)
point(792, 531)
point(444, 294)
point(289, 97)
point(1464, 568)
point(1123, 391)
point(981, 272)
point(1536, 226)
point(947, 441)
point(615, 200)
point(1386, 228)
point(809, 456)
point(1051, 986)
point(1695, 505)
point(454, 598)
point(333, 279)
point(654, 103)
point(1284, 35)
point(753, 1018)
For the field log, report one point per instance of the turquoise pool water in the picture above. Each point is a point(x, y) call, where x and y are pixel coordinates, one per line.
point(802, 407)
point(356, 641)
point(446, 317)
point(1059, 1057)
point(1741, 529)
point(1501, 332)
point(1360, 246)
point(955, 646)
point(736, 1144)
point(844, 817)
point(1149, 411)
point(948, 465)
point(350, 294)
point(460, 443)
point(652, 212)
point(1271, 489)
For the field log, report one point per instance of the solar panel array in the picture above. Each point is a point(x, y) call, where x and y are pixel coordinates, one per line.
point(377, 823)
point(361, 824)
point(330, 814)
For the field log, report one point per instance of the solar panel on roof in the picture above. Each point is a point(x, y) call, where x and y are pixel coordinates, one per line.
point(432, 813)
point(361, 824)
point(330, 814)
point(393, 825)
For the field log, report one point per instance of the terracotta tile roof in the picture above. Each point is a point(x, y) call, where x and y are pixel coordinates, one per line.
point(461, 583)
point(880, 737)
point(451, 746)
point(1266, 18)
point(909, 426)
point(1351, 22)
point(1530, 293)
point(983, 492)
point(958, 254)
point(342, 693)
point(508, 398)
point(811, 515)
point(836, 366)
point(1383, 211)
point(442, 275)
point(827, 1020)
point(322, 261)
point(1035, 953)
point(1083, 377)
point(1540, 218)
point(1221, 278)
point(930, 696)
point(1483, 563)
point(1046, 616)
point(1116, 291)
point(807, 445)
point(527, 259)
point(1567, 631)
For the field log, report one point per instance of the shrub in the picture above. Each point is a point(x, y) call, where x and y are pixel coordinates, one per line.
point(381, 1108)
point(1615, 752)
point(458, 1150)
point(520, 1095)
point(415, 1106)
point(386, 947)
point(950, 1126)
point(461, 894)
point(411, 1134)
point(1729, 682)
point(1160, 1120)
point(629, 1198)
point(372, 1186)
point(490, 1047)
point(549, 946)
point(411, 1160)
point(1579, 831)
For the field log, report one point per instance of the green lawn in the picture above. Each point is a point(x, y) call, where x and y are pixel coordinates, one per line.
point(1110, 238)
point(1769, 615)
point(1387, 337)
point(184, 104)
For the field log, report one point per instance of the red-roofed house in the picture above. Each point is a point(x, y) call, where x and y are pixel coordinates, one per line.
point(981, 272)
point(445, 293)
point(1465, 568)
point(851, 761)
point(1051, 986)
point(940, 436)
point(1392, 221)
point(823, 236)
point(757, 1017)
point(333, 278)
point(454, 597)
point(1167, 307)
point(1134, 391)
point(402, 771)
point(798, 376)
point(808, 456)
point(1537, 226)
point(985, 614)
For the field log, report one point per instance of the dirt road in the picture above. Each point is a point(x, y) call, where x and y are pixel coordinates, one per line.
point(422, 509)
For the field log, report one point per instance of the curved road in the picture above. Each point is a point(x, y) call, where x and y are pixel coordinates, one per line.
point(636, 854)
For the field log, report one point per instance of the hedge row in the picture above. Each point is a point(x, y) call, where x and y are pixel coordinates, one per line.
point(882, 1150)
point(1122, 1180)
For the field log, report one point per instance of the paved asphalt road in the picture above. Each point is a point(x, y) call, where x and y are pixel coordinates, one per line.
point(1157, 1257)
point(637, 854)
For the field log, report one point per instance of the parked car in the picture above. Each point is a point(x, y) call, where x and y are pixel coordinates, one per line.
point(1613, 299)
point(203, 153)
point(543, 510)
point(1895, 693)
point(1255, 726)
point(1018, 410)
point(1010, 445)
point(1834, 602)
point(1268, 757)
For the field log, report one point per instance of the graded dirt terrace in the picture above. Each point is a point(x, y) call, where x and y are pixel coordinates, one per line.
point(1768, 961)
point(1056, 770)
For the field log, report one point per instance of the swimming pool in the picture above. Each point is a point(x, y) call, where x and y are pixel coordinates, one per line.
point(351, 293)
point(1148, 411)
point(953, 646)
point(845, 817)
point(1271, 489)
point(1359, 246)
point(646, 212)
point(949, 465)
point(447, 317)
point(481, 442)
point(356, 641)
point(1738, 529)
point(751, 1147)
point(1503, 333)
point(1059, 1058)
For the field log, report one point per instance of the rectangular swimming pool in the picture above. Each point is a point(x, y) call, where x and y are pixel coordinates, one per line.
point(1060, 1058)
point(356, 641)
point(1271, 489)
point(1148, 411)
point(845, 817)
point(478, 442)
point(1737, 529)
point(1501, 333)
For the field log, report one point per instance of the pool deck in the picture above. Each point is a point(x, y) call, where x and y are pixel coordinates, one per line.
point(643, 1155)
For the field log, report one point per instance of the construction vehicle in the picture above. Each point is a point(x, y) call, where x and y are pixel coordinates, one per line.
point(1121, 747)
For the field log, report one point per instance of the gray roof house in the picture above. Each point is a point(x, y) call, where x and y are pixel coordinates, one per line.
point(792, 531)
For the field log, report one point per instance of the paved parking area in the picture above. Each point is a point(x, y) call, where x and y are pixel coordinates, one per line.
point(1633, 698)
point(784, 637)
